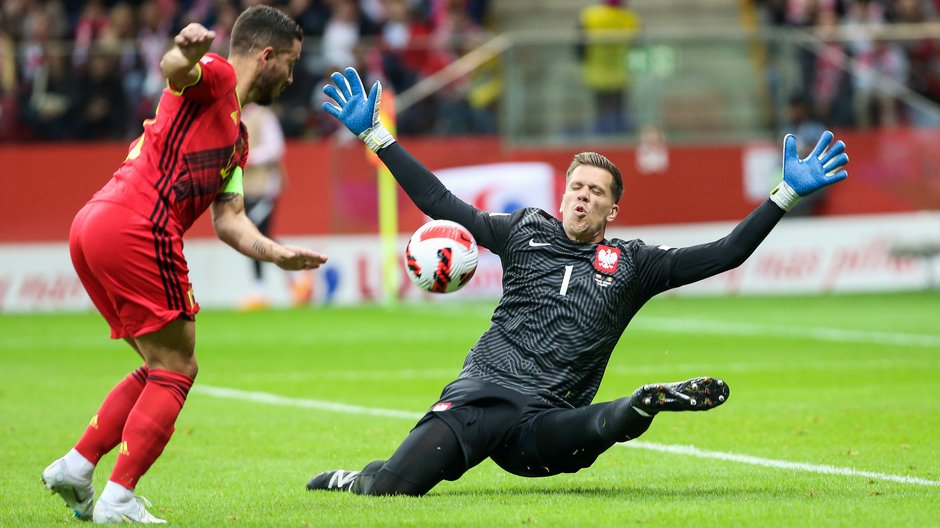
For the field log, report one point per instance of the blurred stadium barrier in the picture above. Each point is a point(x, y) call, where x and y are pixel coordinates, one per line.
point(801, 256)
point(332, 187)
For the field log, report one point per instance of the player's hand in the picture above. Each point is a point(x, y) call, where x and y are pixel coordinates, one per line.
point(295, 258)
point(801, 177)
point(194, 41)
point(823, 166)
point(358, 112)
point(352, 108)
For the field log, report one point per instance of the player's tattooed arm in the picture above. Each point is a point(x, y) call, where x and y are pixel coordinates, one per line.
point(262, 249)
point(234, 228)
point(226, 197)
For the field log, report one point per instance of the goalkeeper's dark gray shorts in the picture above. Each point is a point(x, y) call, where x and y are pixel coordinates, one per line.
point(491, 421)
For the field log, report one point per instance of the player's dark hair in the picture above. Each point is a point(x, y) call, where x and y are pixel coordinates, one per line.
point(593, 159)
point(261, 26)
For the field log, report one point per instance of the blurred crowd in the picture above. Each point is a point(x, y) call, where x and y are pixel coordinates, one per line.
point(89, 70)
point(865, 59)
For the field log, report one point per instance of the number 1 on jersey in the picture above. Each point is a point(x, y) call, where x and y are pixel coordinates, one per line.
point(564, 281)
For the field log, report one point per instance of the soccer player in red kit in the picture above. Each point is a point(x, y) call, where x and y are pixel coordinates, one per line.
point(126, 246)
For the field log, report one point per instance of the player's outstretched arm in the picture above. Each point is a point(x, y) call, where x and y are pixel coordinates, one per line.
point(359, 113)
point(179, 64)
point(823, 166)
point(233, 227)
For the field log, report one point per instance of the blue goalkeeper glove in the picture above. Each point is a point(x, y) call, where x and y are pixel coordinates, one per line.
point(801, 177)
point(359, 113)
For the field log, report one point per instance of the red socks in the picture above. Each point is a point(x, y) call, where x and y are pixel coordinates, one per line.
point(149, 425)
point(104, 431)
point(141, 411)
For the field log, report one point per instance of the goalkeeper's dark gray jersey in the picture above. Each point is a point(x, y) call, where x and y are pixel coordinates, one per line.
point(565, 303)
point(564, 306)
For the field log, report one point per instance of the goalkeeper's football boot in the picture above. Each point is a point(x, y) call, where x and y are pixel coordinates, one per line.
point(133, 510)
point(696, 394)
point(78, 493)
point(336, 480)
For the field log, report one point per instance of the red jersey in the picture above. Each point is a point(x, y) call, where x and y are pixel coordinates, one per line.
point(187, 153)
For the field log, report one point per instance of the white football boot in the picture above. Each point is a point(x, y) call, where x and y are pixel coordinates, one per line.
point(133, 510)
point(78, 493)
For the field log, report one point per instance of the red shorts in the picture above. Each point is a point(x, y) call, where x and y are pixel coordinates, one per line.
point(136, 275)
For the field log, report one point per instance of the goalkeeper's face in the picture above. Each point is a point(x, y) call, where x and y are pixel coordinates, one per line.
point(277, 72)
point(588, 204)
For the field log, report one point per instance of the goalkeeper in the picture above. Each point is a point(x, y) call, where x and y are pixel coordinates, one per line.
point(524, 396)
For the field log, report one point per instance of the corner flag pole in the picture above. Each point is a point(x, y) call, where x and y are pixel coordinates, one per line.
point(388, 209)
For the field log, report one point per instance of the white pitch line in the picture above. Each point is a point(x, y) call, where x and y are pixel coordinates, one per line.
point(321, 405)
point(780, 464)
point(284, 401)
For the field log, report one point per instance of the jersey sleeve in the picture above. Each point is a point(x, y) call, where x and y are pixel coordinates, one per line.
point(491, 230)
point(216, 79)
point(673, 267)
point(654, 266)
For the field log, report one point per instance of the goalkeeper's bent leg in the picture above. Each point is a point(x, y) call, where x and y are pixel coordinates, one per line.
point(569, 438)
point(430, 454)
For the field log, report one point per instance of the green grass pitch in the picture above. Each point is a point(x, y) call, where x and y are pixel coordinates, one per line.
point(833, 420)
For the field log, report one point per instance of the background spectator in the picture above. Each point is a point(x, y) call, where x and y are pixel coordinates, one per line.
point(100, 103)
point(604, 63)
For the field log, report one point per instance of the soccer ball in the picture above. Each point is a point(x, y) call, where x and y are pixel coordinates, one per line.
point(441, 256)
